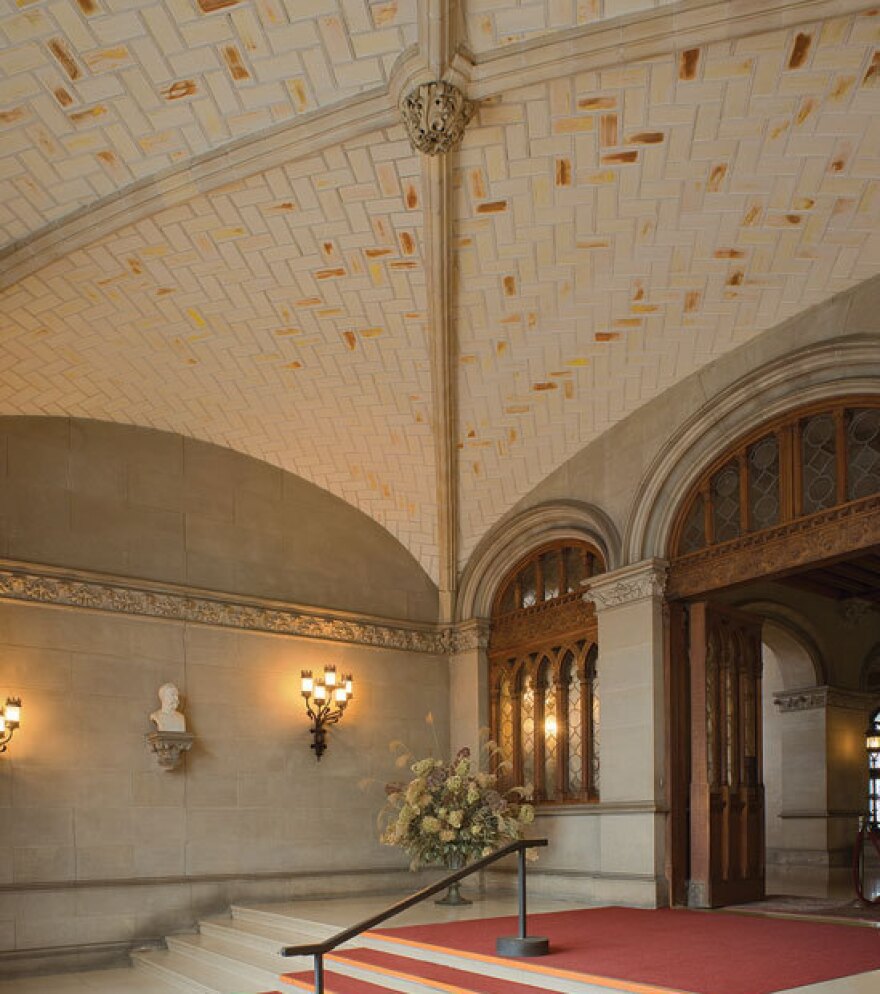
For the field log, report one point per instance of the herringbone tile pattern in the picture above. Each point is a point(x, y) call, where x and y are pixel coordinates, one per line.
point(283, 316)
point(615, 231)
point(96, 94)
point(491, 24)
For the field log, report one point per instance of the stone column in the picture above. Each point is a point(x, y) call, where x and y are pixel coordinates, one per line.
point(632, 739)
point(468, 685)
point(824, 775)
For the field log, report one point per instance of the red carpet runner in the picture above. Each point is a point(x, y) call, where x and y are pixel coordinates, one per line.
point(689, 951)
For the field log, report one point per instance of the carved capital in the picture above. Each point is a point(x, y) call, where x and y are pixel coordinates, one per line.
point(638, 582)
point(468, 635)
point(814, 698)
point(169, 747)
point(435, 116)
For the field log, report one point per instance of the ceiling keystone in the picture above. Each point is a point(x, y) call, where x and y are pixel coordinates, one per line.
point(435, 116)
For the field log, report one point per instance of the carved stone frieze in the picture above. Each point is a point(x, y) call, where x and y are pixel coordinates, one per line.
point(624, 586)
point(830, 533)
point(435, 116)
point(64, 588)
point(814, 698)
point(42, 586)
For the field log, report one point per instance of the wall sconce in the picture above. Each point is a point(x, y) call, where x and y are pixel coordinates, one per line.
point(326, 698)
point(9, 720)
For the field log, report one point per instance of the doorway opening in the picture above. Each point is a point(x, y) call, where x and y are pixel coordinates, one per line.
point(774, 613)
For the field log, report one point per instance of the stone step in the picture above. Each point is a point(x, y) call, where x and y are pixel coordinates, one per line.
point(380, 967)
point(498, 969)
point(262, 968)
point(260, 936)
point(337, 983)
point(303, 928)
point(193, 977)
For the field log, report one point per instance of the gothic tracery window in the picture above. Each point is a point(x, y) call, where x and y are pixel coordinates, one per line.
point(543, 676)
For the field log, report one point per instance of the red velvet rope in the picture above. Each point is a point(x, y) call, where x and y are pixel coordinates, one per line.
point(872, 833)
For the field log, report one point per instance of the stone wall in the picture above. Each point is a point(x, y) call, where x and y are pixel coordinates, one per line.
point(100, 848)
point(157, 506)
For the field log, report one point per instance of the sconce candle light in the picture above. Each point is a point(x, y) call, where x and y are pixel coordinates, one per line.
point(326, 698)
point(10, 719)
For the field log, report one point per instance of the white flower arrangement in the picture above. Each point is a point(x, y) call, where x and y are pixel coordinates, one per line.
point(451, 813)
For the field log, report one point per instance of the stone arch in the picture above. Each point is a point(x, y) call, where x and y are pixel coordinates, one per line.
point(817, 373)
point(790, 635)
point(514, 538)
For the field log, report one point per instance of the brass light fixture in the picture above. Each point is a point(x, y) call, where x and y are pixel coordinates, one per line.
point(326, 698)
point(10, 719)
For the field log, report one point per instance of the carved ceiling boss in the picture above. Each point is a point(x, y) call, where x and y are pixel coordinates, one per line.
point(435, 116)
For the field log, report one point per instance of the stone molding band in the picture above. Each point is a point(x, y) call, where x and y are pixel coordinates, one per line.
point(57, 587)
point(192, 879)
point(814, 698)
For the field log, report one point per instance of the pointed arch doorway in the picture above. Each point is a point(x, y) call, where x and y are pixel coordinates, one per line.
point(796, 500)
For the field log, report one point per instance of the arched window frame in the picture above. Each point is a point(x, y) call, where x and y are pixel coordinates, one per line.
point(788, 431)
point(542, 643)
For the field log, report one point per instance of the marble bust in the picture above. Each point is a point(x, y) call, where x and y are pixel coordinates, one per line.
point(168, 718)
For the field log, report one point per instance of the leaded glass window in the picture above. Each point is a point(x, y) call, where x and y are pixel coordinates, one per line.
point(725, 503)
point(551, 566)
point(763, 463)
point(572, 682)
point(527, 734)
point(542, 669)
point(863, 453)
point(505, 727)
point(548, 575)
point(818, 463)
point(594, 729)
point(551, 738)
point(693, 536)
point(803, 463)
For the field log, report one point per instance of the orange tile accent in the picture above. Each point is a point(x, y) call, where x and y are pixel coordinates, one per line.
point(800, 50)
point(493, 207)
point(179, 89)
point(597, 103)
point(688, 63)
point(619, 158)
point(59, 48)
point(235, 63)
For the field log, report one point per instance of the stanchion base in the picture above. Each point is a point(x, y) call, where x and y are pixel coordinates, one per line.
point(531, 945)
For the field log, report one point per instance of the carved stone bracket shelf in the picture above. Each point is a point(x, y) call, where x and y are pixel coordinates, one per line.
point(169, 747)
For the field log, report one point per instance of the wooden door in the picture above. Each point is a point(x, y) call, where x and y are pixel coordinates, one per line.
point(727, 790)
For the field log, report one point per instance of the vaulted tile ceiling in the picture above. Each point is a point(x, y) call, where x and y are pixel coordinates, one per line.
point(214, 223)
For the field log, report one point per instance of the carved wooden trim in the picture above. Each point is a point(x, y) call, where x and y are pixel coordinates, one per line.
point(822, 536)
point(563, 619)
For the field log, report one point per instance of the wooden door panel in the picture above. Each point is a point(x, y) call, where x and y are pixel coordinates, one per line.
point(726, 790)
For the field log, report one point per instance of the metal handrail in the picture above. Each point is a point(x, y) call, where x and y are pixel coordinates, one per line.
point(319, 949)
